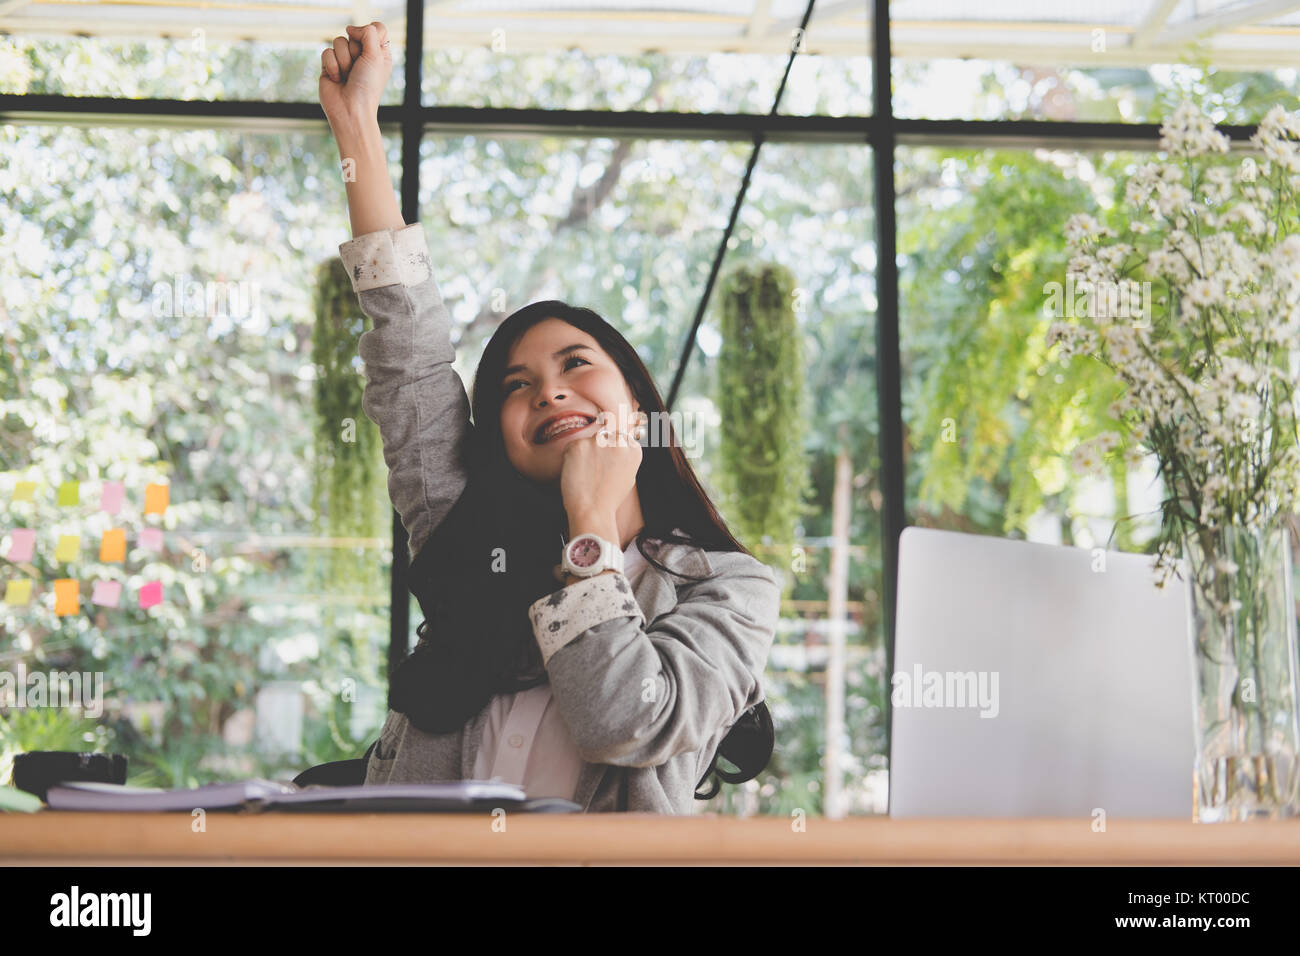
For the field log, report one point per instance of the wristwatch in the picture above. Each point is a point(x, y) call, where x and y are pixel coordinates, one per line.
point(588, 555)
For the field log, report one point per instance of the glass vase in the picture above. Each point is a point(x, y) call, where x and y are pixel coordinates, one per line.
point(1243, 632)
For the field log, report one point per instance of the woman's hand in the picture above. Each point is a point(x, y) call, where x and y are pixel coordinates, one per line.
point(354, 73)
point(352, 79)
point(598, 471)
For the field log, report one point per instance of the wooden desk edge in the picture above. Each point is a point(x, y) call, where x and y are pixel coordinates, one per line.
point(49, 836)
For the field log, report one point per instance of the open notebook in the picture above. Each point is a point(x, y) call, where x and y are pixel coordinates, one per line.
point(252, 796)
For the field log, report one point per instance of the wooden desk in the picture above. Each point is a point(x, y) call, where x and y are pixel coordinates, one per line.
point(74, 838)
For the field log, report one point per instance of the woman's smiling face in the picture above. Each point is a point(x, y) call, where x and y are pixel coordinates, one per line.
point(556, 368)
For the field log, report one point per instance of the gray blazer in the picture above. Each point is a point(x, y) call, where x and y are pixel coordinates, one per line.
point(700, 646)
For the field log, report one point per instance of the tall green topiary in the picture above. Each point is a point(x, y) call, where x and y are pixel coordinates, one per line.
point(764, 406)
point(349, 496)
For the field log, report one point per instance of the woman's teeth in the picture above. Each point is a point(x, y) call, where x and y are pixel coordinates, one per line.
point(567, 425)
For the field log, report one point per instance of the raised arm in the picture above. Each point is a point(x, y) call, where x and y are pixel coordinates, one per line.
point(412, 393)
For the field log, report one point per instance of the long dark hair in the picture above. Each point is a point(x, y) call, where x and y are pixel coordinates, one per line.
point(476, 640)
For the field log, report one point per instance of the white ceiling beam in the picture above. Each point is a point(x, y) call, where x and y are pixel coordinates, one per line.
point(521, 40)
point(821, 14)
point(1254, 58)
point(1153, 22)
point(1181, 33)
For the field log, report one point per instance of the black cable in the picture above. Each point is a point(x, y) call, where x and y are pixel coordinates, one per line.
point(731, 224)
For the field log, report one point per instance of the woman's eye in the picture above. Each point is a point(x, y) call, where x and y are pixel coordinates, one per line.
point(510, 386)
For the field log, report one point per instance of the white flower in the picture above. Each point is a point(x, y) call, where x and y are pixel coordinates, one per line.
point(1190, 132)
point(1225, 566)
point(1214, 485)
point(1171, 200)
point(1204, 292)
point(1085, 459)
point(1286, 257)
point(1134, 455)
point(1217, 184)
point(1276, 139)
point(1123, 405)
point(1121, 344)
point(1235, 368)
point(1249, 214)
point(1240, 405)
point(1081, 226)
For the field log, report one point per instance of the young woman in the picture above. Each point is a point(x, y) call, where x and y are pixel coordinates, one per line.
point(592, 629)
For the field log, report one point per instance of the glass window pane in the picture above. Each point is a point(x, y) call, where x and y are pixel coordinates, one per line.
point(179, 53)
point(990, 421)
point(723, 56)
point(1113, 60)
point(163, 325)
point(637, 248)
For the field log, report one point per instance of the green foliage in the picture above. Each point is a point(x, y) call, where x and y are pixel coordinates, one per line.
point(763, 404)
point(987, 409)
point(349, 498)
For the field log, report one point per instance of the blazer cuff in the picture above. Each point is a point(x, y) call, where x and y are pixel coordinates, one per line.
point(387, 257)
point(560, 617)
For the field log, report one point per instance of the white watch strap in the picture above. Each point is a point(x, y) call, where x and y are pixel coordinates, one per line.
point(613, 556)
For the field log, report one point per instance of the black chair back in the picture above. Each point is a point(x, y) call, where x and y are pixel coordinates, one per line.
point(336, 773)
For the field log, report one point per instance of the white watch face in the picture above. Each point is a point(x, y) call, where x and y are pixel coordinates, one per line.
point(584, 553)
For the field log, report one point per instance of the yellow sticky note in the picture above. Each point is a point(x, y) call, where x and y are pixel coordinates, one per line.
point(155, 498)
point(69, 548)
point(25, 491)
point(18, 592)
point(67, 599)
point(112, 547)
point(68, 494)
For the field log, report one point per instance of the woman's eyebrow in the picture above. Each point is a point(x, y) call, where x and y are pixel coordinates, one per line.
point(560, 354)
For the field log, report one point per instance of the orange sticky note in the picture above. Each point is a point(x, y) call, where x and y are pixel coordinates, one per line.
point(69, 547)
point(112, 547)
point(67, 597)
point(155, 498)
point(25, 491)
point(18, 592)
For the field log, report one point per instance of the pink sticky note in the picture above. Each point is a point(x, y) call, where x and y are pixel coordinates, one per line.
point(150, 594)
point(151, 538)
point(110, 499)
point(24, 542)
point(107, 593)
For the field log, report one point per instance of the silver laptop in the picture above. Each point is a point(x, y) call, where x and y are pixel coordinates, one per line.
point(1035, 680)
